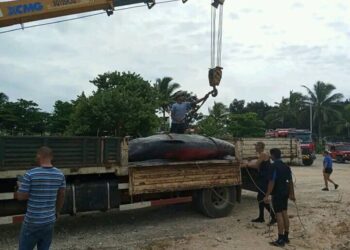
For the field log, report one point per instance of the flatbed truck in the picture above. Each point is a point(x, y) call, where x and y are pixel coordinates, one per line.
point(99, 177)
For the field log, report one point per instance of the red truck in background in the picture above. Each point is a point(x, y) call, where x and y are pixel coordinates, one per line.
point(303, 135)
point(340, 151)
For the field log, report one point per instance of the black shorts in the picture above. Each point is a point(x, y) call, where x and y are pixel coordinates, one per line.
point(328, 170)
point(279, 203)
point(178, 128)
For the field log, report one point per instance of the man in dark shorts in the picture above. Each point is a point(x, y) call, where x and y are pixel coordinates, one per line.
point(44, 188)
point(327, 170)
point(281, 188)
point(179, 111)
point(263, 165)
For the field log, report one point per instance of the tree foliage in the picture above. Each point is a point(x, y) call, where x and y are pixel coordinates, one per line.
point(325, 104)
point(124, 104)
point(22, 117)
point(288, 112)
point(221, 123)
point(61, 117)
point(165, 89)
point(245, 125)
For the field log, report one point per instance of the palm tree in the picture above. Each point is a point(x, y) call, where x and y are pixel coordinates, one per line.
point(287, 112)
point(165, 89)
point(323, 103)
point(219, 111)
point(342, 126)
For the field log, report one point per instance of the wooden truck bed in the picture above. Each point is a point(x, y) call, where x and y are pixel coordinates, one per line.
point(245, 150)
point(152, 177)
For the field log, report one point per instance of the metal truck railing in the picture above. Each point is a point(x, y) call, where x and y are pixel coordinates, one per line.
point(18, 153)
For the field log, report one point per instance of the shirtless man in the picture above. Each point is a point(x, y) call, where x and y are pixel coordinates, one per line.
point(262, 164)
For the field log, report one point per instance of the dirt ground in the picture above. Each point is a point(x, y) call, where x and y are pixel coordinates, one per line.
point(325, 215)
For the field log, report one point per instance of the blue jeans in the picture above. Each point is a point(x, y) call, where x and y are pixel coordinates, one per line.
point(35, 235)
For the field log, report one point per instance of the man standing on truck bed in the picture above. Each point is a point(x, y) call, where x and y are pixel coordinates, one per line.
point(44, 188)
point(179, 111)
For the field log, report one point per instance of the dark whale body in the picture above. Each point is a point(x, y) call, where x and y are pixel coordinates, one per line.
point(178, 147)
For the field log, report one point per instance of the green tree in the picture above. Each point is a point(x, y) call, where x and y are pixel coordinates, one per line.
point(340, 127)
point(260, 108)
point(324, 104)
point(245, 125)
point(61, 117)
point(124, 104)
point(3, 98)
point(208, 126)
point(165, 93)
point(219, 112)
point(215, 123)
point(23, 117)
point(237, 106)
point(82, 120)
point(287, 113)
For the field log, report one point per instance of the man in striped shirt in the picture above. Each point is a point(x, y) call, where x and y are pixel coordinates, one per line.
point(44, 188)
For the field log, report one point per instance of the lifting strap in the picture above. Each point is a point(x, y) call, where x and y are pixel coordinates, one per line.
point(215, 72)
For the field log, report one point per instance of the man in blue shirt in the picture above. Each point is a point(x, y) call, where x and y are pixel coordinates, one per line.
point(281, 188)
point(44, 188)
point(179, 111)
point(327, 170)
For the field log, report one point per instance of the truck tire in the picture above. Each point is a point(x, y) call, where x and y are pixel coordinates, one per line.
point(340, 159)
point(308, 162)
point(215, 202)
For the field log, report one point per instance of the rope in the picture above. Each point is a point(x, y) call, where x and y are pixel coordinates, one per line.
point(213, 36)
point(270, 203)
point(216, 37)
point(302, 224)
point(221, 9)
point(81, 17)
point(296, 206)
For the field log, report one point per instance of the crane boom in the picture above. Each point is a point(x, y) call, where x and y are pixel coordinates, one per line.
point(22, 11)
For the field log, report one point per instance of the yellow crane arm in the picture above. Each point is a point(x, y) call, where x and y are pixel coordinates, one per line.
point(22, 11)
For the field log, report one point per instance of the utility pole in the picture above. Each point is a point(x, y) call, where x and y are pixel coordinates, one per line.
point(310, 117)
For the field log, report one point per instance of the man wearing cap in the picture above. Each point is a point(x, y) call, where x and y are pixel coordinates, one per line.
point(327, 170)
point(179, 111)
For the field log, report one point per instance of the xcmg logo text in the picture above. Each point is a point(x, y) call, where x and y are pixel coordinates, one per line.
point(24, 8)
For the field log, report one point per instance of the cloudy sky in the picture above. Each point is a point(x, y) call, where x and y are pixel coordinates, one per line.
point(269, 48)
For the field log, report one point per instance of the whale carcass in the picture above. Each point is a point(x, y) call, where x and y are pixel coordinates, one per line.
point(178, 147)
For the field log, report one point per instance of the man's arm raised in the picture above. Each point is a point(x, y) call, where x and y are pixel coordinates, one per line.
point(201, 99)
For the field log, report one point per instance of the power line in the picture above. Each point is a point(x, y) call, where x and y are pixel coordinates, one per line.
point(81, 17)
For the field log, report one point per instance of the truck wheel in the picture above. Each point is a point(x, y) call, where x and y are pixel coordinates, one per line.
point(215, 202)
point(340, 159)
point(308, 162)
